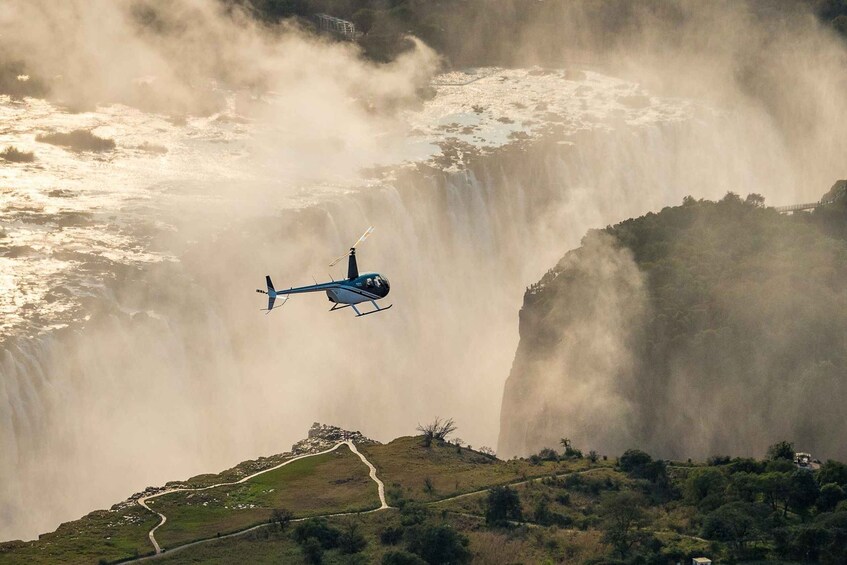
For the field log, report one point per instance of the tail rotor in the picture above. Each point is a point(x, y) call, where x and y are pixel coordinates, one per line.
point(272, 294)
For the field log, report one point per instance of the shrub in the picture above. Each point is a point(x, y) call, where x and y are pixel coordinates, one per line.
point(502, 505)
point(428, 487)
point(831, 494)
point(313, 552)
point(438, 544)
point(402, 558)
point(280, 518)
point(319, 529)
point(413, 513)
point(633, 460)
point(548, 454)
point(351, 539)
point(391, 535)
point(436, 430)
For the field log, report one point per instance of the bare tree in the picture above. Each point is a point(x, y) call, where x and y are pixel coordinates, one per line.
point(438, 429)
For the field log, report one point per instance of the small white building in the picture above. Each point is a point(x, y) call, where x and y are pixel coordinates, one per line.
point(701, 561)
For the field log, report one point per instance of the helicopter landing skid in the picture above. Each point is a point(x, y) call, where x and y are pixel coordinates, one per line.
point(376, 309)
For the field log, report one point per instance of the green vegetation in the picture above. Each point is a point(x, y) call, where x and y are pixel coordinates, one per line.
point(413, 472)
point(635, 510)
point(323, 484)
point(77, 140)
point(102, 536)
point(732, 317)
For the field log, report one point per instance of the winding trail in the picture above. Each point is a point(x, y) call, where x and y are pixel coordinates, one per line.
point(383, 504)
point(380, 487)
point(514, 484)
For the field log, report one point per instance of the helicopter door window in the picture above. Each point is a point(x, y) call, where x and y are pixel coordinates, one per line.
point(369, 282)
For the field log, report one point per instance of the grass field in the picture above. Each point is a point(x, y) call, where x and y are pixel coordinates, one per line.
point(413, 472)
point(329, 483)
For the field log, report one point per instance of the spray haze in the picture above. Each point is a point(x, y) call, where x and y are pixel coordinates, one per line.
point(175, 372)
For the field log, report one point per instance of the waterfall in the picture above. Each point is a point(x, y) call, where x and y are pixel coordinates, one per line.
point(177, 372)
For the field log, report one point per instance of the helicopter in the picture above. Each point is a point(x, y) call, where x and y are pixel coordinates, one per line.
point(355, 289)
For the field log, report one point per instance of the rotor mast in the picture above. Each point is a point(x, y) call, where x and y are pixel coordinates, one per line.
point(352, 267)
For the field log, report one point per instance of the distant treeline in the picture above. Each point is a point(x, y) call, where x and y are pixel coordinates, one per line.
point(478, 32)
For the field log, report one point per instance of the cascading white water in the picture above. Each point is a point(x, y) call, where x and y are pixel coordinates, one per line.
point(178, 372)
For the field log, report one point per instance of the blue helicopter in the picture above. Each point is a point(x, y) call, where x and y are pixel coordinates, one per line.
point(355, 289)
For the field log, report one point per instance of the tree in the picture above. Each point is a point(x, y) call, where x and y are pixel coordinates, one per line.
point(621, 513)
point(732, 523)
point(438, 429)
point(705, 488)
point(391, 535)
point(802, 491)
point(351, 539)
point(781, 450)
point(754, 199)
point(633, 460)
point(547, 454)
point(744, 486)
point(503, 504)
point(833, 472)
point(831, 494)
point(569, 449)
point(319, 529)
point(438, 544)
point(775, 487)
point(313, 552)
point(592, 456)
point(280, 518)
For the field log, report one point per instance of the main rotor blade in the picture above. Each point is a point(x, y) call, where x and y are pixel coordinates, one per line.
point(365, 235)
point(339, 259)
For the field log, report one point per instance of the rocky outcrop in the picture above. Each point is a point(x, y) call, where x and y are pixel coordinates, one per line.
point(324, 436)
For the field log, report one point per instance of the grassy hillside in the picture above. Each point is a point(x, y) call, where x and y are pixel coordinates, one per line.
point(456, 505)
point(638, 510)
point(101, 536)
point(335, 482)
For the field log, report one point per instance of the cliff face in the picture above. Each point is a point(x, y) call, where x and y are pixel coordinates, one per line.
point(576, 342)
point(707, 328)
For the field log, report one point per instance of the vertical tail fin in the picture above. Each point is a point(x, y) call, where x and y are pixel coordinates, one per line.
point(271, 292)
